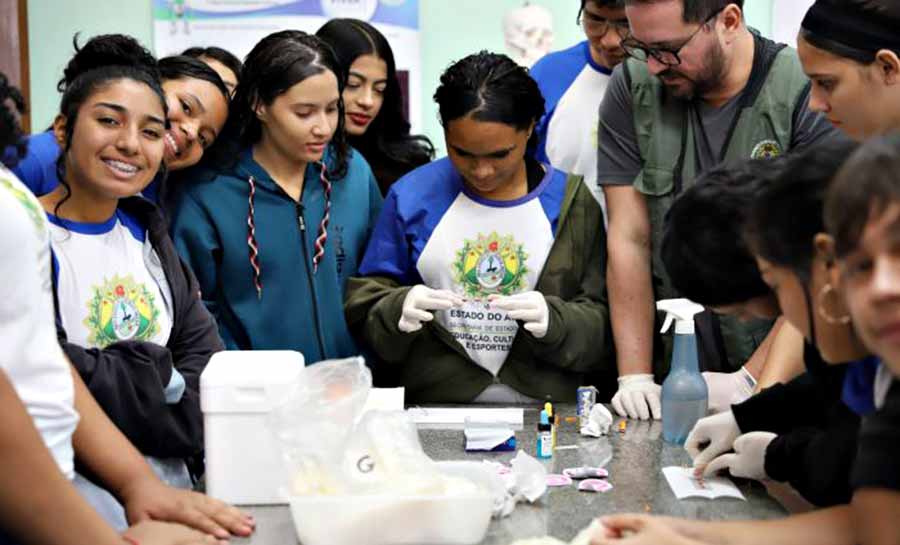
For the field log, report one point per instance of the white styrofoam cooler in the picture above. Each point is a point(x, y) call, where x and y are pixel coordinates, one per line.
point(238, 390)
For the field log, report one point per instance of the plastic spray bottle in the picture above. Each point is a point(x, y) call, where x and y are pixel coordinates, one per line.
point(684, 392)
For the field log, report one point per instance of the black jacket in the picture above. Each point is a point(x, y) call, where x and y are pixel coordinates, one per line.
point(128, 378)
point(878, 459)
point(817, 432)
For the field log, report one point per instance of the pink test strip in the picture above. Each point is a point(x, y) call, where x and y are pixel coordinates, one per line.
point(558, 480)
point(586, 472)
point(594, 485)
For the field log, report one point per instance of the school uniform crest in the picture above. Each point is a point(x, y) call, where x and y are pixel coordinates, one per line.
point(28, 202)
point(490, 265)
point(121, 310)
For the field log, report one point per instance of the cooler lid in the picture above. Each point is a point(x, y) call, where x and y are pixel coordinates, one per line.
point(249, 380)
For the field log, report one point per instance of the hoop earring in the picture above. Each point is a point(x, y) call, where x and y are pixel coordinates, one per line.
point(826, 291)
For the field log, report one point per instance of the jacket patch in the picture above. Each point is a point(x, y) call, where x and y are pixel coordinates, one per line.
point(767, 149)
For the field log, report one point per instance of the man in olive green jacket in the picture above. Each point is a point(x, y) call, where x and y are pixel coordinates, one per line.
point(434, 366)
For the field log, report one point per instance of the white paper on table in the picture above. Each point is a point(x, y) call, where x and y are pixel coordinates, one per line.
point(486, 438)
point(684, 485)
point(444, 415)
point(385, 399)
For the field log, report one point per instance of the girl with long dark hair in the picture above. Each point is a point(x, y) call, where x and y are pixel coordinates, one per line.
point(128, 315)
point(276, 233)
point(375, 120)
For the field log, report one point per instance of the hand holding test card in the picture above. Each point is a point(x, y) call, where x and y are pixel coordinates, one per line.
point(686, 485)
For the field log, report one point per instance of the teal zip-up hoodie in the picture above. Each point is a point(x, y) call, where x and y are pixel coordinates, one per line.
point(296, 309)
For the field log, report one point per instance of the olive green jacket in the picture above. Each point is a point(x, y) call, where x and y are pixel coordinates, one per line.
point(434, 367)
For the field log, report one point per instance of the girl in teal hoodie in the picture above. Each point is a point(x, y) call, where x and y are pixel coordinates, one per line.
point(276, 233)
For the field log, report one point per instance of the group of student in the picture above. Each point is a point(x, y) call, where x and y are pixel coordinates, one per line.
point(181, 206)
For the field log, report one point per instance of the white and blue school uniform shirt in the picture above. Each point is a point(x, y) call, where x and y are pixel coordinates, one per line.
point(111, 287)
point(33, 359)
point(573, 85)
point(434, 231)
point(106, 291)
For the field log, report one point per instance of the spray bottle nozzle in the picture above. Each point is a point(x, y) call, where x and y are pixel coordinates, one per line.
point(680, 311)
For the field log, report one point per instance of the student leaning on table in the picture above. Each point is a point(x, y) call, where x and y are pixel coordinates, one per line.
point(483, 279)
point(700, 89)
point(801, 419)
point(859, 257)
point(799, 273)
point(49, 417)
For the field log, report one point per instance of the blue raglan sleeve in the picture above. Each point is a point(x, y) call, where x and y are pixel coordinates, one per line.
point(388, 253)
point(37, 169)
point(540, 73)
point(198, 244)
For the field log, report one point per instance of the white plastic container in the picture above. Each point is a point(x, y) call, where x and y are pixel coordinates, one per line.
point(238, 389)
point(399, 520)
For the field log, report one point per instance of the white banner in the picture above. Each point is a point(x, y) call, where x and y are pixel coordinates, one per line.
point(237, 25)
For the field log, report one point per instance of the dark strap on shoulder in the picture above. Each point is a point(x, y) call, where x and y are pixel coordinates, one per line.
point(764, 55)
point(627, 73)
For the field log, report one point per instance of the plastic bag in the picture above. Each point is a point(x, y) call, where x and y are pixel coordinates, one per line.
point(316, 421)
point(384, 455)
point(331, 448)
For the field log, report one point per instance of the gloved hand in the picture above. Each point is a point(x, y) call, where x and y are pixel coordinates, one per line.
point(727, 389)
point(749, 458)
point(420, 301)
point(638, 397)
point(711, 436)
point(529, 306)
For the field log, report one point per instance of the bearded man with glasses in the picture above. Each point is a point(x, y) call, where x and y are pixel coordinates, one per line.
point(573, 82)
point(700, 88)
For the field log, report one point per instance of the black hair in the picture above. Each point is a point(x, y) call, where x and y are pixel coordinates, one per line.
point(788, 212)
point(274, 65)
point(703, 248)
point(697, 11)
point(881, 13)
point(278, 62)
point(11, 135)
point(184, 67)
point(490, 87)
point(613, 4)
point(387, 145)
point(227, 58)
point(102, 60)
point(867, 184)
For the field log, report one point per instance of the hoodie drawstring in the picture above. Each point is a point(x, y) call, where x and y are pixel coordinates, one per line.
point(321, 236)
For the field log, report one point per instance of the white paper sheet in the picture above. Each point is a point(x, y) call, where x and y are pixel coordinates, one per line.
point(385, 399)
point(684, 485)
point(443, 415)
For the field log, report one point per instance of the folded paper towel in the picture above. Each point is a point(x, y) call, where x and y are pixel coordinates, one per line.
point(599, 421)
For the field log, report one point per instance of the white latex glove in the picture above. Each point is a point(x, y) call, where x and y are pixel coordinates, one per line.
point(749, 458)
point(529, 306)
point(638, 397)
point(727, 389)
point(419, 303)
point(711, 436)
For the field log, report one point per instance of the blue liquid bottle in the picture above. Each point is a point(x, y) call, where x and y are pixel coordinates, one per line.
point(684, 392)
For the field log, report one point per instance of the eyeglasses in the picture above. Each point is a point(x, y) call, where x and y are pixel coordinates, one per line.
point(600, 25)
point(665, 55)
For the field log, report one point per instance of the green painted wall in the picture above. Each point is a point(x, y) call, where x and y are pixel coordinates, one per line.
point(451, 29)
point(51, 25)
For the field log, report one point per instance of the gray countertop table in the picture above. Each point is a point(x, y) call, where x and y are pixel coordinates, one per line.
point(634, 460)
